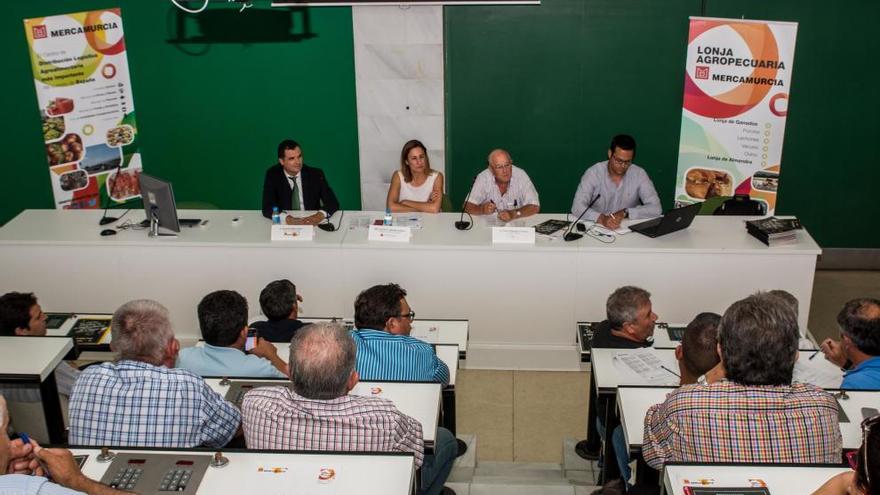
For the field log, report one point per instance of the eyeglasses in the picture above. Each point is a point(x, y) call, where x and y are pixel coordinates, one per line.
point(502, 166)
point(853, 457)
point(411, 315)
point(621, 162)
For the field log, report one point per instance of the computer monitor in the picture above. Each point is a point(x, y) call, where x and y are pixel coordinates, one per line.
point(159, 202)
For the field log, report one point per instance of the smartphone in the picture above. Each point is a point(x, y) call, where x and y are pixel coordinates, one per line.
point(251, 341)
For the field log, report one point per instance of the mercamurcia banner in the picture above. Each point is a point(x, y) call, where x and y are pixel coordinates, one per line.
point(84, 95)
point(737, 82)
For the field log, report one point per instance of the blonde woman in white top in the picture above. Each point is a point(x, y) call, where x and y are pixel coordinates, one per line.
point(415, 187)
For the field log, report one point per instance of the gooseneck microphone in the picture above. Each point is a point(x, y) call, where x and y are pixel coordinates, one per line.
point(461, 224)
point(328, 225)
point(573, 236)
point(110, 193)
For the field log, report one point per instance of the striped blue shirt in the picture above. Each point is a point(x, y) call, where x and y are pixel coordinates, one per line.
point(383, 356)
point(136, 404)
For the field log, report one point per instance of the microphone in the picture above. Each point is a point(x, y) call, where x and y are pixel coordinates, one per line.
point(572, 236)
point(104, 218)
point(328, 225)
point(461, 224)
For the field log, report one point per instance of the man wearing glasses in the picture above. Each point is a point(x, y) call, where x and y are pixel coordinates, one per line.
point(503, 188)
point(620, 188)
point(385, 351)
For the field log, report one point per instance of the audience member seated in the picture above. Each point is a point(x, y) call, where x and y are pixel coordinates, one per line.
point(20, 314)
point(629, 324)
point(223, 321)
point(865, 464)
point(698, 351)
point(385, 351)
point(750, 411)
point(319, 414)
point(415, 187)
point(280, 303)
point(858, 350)
point(21, 472)
point(139, 400)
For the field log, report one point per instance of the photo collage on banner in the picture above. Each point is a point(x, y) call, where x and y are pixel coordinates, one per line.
point(85, 100)
point(737, 83)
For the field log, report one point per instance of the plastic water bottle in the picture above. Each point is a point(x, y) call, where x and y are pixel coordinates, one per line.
point(276, 216)
point(387, 219)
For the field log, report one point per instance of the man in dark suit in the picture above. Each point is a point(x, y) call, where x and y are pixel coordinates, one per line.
point(293, 186)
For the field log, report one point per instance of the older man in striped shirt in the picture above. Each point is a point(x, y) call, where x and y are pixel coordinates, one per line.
point(318, 413)
point(503, 188)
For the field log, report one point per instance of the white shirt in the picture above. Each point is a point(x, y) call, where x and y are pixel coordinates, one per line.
point(416, 193)
point(520, 191)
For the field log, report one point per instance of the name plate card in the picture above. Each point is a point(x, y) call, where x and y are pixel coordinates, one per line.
point(293, 232)
point(389, 233)
point(513, 235)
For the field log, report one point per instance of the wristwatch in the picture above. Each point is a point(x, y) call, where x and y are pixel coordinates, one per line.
point(626, 213)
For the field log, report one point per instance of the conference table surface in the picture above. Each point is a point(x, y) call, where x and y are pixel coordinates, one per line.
point(521, 301)
point(252, 471)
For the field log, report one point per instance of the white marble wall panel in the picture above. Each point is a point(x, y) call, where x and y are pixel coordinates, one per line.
point(400, 94)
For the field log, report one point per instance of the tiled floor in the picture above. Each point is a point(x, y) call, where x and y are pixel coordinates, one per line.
point(523, 416)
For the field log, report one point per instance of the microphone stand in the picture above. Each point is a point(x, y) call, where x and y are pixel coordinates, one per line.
point(573, 236)
point(328, 225)
point(461, 224)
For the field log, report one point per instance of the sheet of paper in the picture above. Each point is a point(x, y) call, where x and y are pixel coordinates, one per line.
point(820, 373)
point(646, 365)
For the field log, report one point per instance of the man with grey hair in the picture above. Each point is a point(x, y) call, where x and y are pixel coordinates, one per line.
point(503, 188)
point(318, 413)
point(629, 324)
point(140, 400)
point(749, 401)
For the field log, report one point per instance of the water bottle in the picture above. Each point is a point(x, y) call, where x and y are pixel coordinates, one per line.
point(387, 219)
point(276, 216)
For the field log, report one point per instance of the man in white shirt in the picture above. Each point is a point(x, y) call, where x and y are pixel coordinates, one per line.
point(503, 188)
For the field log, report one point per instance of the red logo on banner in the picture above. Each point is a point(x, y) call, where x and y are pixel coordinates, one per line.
point(40, 32)
point(702, 72)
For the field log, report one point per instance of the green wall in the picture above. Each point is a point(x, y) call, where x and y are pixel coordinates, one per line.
point(553, 83)
point(210, 115)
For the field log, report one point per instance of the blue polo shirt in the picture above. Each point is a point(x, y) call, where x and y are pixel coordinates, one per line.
point(210, 360)
point(386, 357)
point(865, 376)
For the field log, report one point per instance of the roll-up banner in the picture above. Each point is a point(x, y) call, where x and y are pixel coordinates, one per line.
point(85, 101)
point(737, 82)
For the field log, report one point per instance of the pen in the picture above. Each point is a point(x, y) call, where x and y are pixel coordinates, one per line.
point(814, 354)
point(27, 440)
point(669, 370)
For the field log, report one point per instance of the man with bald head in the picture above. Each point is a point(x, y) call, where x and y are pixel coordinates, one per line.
point(318, 413)
point(503, 188)
point(858, 350)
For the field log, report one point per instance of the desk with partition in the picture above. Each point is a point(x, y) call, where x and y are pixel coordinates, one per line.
point(609, 373)
point(235, 471)
point(776, 478)
point(419, 400)
point(519, 300)
point(32, 361)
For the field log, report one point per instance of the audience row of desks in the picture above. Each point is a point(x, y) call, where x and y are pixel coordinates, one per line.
point(250, 471)
point(631, 381)
point(447, 273)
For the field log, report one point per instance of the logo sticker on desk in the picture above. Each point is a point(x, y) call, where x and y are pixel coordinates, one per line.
point(376, 390)
point(326, 475)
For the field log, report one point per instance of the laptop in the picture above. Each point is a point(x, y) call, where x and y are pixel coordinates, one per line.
point(673, 221)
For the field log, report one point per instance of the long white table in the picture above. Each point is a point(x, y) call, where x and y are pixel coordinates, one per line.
point(633, 404)
point(32, 361)
point(284, 472)
point(520, 300)
point(777, 478)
